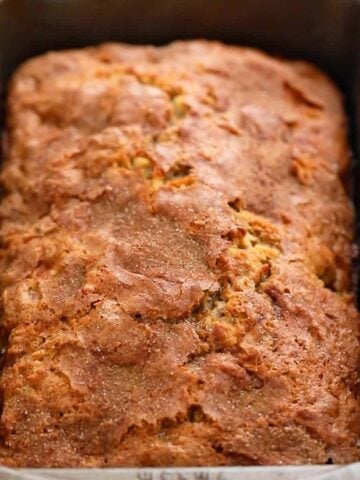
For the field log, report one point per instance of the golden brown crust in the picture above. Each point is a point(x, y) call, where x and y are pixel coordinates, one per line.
point(176, 261)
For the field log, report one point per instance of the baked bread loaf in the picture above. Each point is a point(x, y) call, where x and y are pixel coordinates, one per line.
point(176, 262)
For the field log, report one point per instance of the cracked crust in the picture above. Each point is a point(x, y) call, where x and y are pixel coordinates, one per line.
point(176, 262)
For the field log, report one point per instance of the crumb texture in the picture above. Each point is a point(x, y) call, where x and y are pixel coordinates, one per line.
point(176, 262)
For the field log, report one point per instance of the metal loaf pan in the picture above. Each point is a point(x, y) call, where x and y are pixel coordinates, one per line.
point(326, 32)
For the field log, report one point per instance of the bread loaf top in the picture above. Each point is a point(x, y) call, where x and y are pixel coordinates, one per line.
point(176, 261)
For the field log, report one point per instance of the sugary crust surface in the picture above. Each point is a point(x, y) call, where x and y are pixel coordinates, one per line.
point(176, 261)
